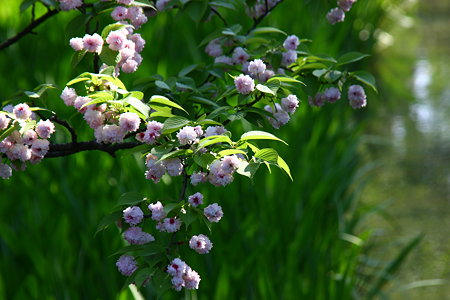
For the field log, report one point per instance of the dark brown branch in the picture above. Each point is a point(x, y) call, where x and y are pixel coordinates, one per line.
point(28, 29)
point(58, 150)
point(73, 134)
point(183, 188)
point(220, 16)
point(259, 20)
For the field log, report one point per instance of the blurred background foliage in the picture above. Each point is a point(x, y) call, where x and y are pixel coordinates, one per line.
point(310, 239)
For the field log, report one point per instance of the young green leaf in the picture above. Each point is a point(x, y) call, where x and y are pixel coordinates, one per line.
point(350, 58)
point(260, 135)
point(165, 101)
point(130, 198)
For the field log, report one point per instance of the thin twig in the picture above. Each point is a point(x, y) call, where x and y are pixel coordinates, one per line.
point(183, 188)
point(258, 20)
point(58, 150)
point(220, 16)
point(73, 134)
point(28, 29)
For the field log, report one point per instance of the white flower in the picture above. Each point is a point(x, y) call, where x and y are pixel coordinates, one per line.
point(196, 199)
point(200, 243)
point(133, 215)
point(213, 212)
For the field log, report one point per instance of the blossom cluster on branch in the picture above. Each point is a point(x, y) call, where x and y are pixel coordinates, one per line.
point(181, 124)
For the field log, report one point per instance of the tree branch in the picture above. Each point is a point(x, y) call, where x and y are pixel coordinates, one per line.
point(58, 150)
point(73, 134)
point(220, 16)
point(184, 186)
point(258, 20)
point(28, 29)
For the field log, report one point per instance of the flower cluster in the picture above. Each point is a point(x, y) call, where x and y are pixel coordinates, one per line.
point(281, 112)
point(156, 169)
point(182, 275)
point(29, 144)
point(110, 125)
point(135, 14)
point(127, 44)
point(290, 45)
point(330, 95)
point(356, 97)
point(337, 14)
point(69, 4)
point(127, 265)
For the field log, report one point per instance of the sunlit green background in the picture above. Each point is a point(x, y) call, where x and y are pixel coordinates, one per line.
point(381, 172)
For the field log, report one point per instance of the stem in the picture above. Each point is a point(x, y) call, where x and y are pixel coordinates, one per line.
point(28, 29)
point(73, 134)
point(258, 20)
point(220, 16)
point(184, 186)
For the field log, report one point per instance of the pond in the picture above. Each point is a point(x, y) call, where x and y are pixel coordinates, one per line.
point(410, 140)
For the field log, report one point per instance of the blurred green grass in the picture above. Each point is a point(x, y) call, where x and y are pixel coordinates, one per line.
point(278, 240)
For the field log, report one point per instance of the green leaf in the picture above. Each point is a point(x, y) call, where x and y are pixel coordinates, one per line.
point(189, 217)
point(264, 30)
point(130, 198)
point(138, 105)
point(151, 249)
point(204, 160)
point(174, 123)
point(165, 101)
point(260, 135)
point(108, 56)
point(160, 281)
point(171, 206)
point(161, 111)
point(332, 76)
point(319, 73)
point(196, 10)
point(76, 80)
point(108, 220)
point(187, 70)
point(129, 248)
point(284, 166)
point(9, 131)
point(259, 111)
point(274, 85)
point(202, 100)
point(136, 94)
point(99, 97)
point(285, 79)
point(209, 122)
point(366, 78)
point(214, 139)
point(350, 58)
point(225, 4)
point(27, 126)
point(176, 153)
point(142, 274)
point(219, 111)
point(248, 169)
point(162, 85)
point(112, 27)
point(267, 154)
point(144, 5)
point(231, 152)
point(265, 89)
point(77, 57)
point(232, 30)
point(25, 4)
